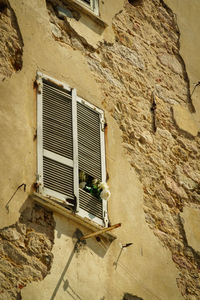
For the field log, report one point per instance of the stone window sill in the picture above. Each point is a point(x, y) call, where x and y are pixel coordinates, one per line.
point(54, 205)
point(83, 9)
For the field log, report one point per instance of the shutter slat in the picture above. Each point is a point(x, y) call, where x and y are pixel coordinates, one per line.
point(89, 146)
point(58, 145)
point(55, 100)
point(88, 112)
point(57, 121)
point(90, 204)
point(57, 111)
point(50, 162)
point(54, 129)
point(54, 88)
point(53, 183)
point(88, 124)
point(58, 177)
point(56, 118)
point(54, 94)
point(89, 141)
point(57, 138)
point(89, 154)
point(57, 105)
point(89, 170)
point(83, 136)
point(54, 148)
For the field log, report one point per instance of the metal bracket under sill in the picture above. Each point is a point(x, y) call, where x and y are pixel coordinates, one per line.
point(53, 205)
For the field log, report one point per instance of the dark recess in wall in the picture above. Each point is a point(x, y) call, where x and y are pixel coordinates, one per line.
point(128, 296)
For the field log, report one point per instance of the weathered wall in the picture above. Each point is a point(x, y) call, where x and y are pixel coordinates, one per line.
point(25, 251)
point(11, 43)
point(146, 59)
point(153, 175)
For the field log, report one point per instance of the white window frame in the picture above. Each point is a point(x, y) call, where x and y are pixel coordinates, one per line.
point(93, 6)
point(73, 163)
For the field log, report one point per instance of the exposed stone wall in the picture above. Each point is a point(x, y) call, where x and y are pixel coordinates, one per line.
point(62, 31)
point(25, 251)
point(144, 59)
point(11, 44)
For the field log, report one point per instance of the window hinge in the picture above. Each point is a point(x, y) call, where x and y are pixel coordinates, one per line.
point(38, 83)
point(102, 122)
point(105, 219)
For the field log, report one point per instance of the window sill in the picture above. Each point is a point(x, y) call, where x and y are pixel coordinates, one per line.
point(83, 9)
point(55, 206)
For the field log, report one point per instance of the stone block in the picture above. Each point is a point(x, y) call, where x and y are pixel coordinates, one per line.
point(171, 62)
point(131, 56)
point(56, 31)
point(172, 185)
point(191, 217)
point(185, 120)
point(10, 234)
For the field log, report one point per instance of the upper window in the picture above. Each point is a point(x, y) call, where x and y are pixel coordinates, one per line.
point(70, 143)
point(91, 4)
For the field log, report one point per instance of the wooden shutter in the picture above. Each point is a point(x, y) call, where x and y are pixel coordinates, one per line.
point(55, 140)
point(70, 138)
point(91, 157)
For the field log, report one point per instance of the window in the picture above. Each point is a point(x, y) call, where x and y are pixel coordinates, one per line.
point(91, 4)
point(70, 135)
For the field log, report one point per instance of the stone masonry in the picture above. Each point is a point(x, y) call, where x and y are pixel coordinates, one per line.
point(145, 59)
point(11, 43)
point(25, 251)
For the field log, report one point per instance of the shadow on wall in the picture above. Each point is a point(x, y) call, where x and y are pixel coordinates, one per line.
point(98, 245)
point(65, 282)
point(66, 285)
point(136, 2)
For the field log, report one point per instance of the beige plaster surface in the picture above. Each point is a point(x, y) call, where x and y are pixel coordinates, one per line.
point(191, 217)
point(18, 102)
point(187, 16)
point(187, 13)
point(184, 120)
point(91, 30)
point(144, 269)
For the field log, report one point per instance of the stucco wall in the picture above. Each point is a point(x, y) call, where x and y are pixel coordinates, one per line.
point(150, 173)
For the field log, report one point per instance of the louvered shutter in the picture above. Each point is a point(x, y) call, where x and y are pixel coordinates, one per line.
point(57, 169)
point(70, 138)
point(91, 158)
